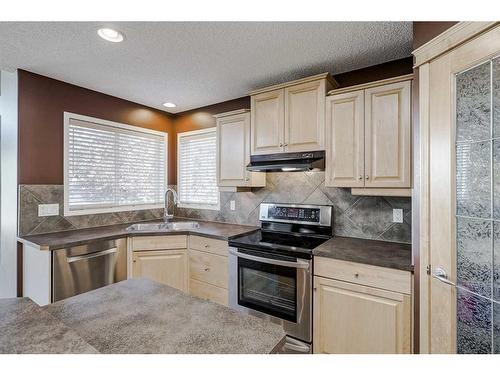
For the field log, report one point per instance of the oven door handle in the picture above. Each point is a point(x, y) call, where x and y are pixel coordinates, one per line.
point(298, 264)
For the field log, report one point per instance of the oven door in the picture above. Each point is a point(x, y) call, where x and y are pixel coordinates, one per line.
point(275, 287)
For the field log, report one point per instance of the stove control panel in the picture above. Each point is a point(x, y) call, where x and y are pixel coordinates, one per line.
point(295, 213)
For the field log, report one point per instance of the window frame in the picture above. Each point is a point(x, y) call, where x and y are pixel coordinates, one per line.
point(100, 210)
point(215, 207)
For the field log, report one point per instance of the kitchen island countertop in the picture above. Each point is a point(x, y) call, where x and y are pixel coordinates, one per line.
point(133, 316)
point(142, 316)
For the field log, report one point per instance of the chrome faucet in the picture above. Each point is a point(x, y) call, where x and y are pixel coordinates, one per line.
point(166, 215)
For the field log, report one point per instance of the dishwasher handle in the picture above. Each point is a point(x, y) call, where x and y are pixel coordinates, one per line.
point(92, 255)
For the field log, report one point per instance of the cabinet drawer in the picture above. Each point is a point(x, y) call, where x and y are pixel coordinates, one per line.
point(206, 291)
point(209, 245)
point(159, 242)
point(208, 268)
point(363, 274)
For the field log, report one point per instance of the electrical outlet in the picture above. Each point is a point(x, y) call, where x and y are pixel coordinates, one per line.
point(397, 215)
point(48, 209)
point(232, 205)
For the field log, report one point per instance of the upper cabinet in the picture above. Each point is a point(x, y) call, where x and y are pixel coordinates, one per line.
point(290, 117)
point(233, 151)
point(268, 119)
point(369, 136)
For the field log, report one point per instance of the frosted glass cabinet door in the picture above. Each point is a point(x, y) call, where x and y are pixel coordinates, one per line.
point(478, 208)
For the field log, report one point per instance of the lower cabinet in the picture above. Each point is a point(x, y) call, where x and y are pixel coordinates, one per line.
point(352, 318)
point(164, 266)
point(208, 269)
point(201, 271)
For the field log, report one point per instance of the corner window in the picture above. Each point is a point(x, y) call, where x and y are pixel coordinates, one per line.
point(196, 168)
point(111, 167)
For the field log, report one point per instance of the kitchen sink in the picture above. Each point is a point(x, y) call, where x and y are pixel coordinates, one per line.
point(156, 227)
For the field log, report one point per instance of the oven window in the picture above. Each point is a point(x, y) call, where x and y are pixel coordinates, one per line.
point(268, 288)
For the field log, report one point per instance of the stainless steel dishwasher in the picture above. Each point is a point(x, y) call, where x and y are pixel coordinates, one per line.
point(82, 268)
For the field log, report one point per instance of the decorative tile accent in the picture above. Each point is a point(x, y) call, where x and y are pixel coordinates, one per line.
point(473, 323)
point(496, 97)
point(496, 328)
point(474, 255)
point(474, 180)
point(473, 104)
point(496, 261)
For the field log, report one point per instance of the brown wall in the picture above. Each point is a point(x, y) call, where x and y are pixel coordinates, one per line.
point(43, 100)
point(423, 31)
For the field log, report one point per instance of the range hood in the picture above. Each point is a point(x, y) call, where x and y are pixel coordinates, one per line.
point(288, 162)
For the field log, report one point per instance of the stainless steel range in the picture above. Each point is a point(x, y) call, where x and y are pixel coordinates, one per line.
point(270, 271)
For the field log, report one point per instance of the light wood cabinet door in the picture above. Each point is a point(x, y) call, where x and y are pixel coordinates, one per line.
point(267, 122)
point(168, 267)
point(345, 140)
point(355, 319)
point(233, 152)
point(305, 117)
point(388, 136)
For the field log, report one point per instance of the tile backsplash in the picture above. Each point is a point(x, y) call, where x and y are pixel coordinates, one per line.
point(30, 196)
point(354, 216)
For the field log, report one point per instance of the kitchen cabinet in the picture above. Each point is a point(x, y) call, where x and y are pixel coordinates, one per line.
point(355, 319)
point(290, 117)
point(369, 136)
point(361, 309)
point(208, 269)
point(233, 151)
point(160, 258)
point(164, 266)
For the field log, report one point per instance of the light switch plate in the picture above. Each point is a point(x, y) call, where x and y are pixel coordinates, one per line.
point(397, 215)
point(232, 205)
point(48, 209)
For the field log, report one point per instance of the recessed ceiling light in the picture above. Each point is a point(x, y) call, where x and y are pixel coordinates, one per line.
point(111, 35)
point(169, 105)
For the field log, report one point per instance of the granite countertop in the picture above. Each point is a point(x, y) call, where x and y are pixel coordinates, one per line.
point(141, 316)
point(26, 328)
point(59, 240)
point(376, 253)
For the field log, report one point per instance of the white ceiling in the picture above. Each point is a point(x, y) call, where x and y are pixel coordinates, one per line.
point(196, 63)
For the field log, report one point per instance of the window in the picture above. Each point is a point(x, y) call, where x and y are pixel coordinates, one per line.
point(196, 166)
point(111, 167)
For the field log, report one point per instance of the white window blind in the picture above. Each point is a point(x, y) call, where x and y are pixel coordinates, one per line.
point(112, 167)
point(197, 180)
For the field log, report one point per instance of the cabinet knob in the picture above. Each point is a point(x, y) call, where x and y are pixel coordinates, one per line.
point(281, 144)
point(356, 275)
point(286, 144)
point(247, 179)
point(134, 261)
point(207, 246)
point(360, 177)
point(207, 269)
point(367, 177)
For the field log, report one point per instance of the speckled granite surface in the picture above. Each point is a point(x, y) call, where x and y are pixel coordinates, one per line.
point(141, 316)
point(26, 328)
point(58, 240)
point(376, 253)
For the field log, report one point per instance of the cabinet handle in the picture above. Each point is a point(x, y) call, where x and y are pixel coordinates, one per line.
point(281, 144)
point(247, 179)
point(286, 144)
